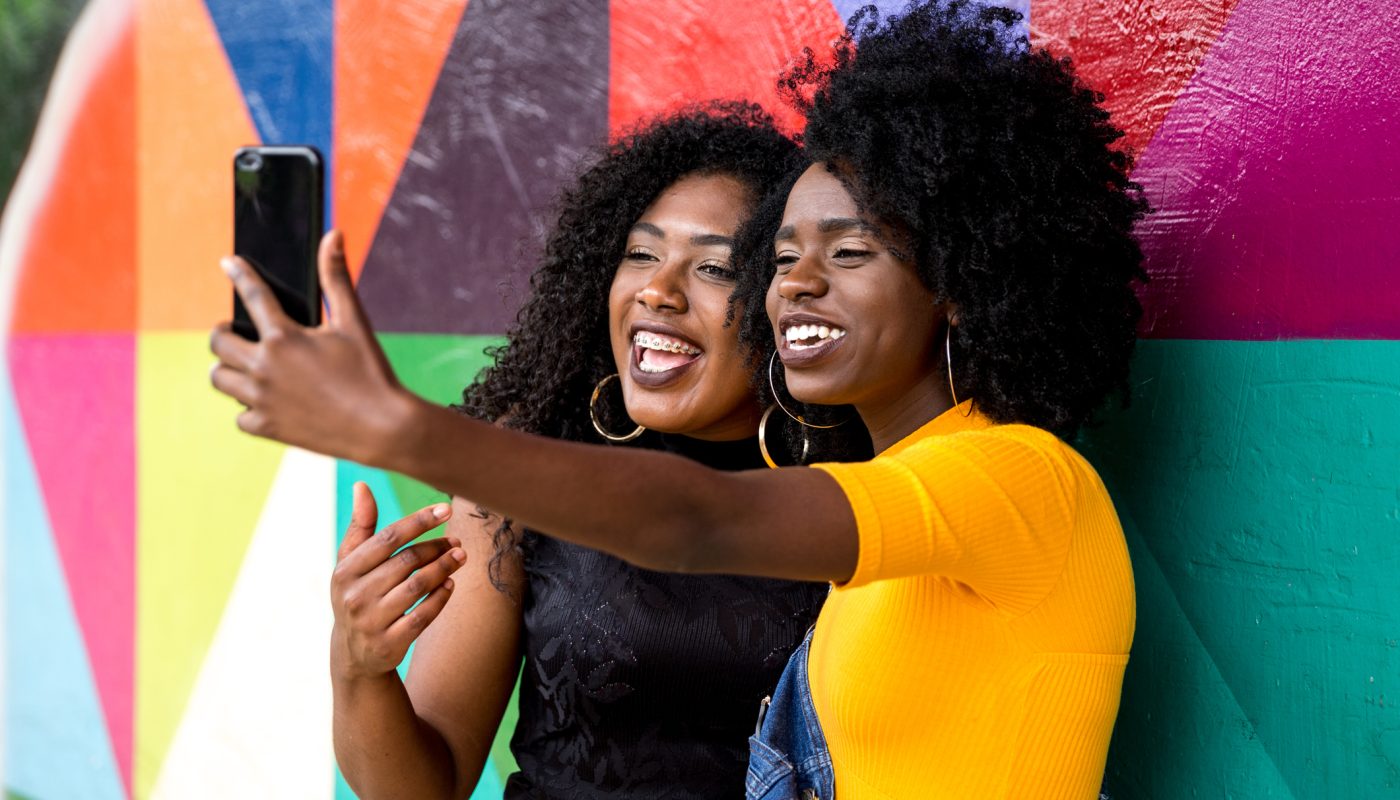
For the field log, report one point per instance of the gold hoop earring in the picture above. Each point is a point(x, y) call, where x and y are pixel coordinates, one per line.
point(763, 443)
point(948, 359)
point(593, 415)
point(772, 387)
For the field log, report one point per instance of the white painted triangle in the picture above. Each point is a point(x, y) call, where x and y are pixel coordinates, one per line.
point(258, 723)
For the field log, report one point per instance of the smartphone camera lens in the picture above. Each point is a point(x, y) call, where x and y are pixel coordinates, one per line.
point(250, 162)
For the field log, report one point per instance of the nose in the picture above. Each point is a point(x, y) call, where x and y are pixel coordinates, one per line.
point(803, 281)
point(664, 290)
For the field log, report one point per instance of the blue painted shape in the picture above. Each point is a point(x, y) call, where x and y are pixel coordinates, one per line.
point(54, 735)
point(846, 8)
point(282, 54)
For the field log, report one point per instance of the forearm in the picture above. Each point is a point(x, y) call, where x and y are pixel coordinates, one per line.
point(384, 749)
point(647, 507)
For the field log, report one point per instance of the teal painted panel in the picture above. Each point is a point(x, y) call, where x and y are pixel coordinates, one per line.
point(1260, 485)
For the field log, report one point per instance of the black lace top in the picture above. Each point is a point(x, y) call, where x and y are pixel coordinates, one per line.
point(641, 684)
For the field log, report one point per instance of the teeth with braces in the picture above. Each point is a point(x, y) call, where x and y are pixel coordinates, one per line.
point(652, 341)
point(818, 334)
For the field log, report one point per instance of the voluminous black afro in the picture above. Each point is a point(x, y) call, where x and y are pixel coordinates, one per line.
point(559, 349)
point(997, 167)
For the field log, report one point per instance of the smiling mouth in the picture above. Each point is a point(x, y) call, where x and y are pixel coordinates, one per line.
point(809, 336)
point(656, 354)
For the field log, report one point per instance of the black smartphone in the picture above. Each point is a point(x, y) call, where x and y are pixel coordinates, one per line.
point(278, 197)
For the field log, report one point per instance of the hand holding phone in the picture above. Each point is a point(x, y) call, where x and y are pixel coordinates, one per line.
point(278, 197)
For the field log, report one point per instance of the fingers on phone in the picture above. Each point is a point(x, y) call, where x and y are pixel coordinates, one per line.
point(230, 348)
point(344, 305)
point(238, 385)
point(262, 306)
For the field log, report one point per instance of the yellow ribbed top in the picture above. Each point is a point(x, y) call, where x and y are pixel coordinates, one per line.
point(978, 650)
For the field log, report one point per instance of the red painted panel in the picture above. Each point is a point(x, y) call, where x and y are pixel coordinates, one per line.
point(1139, 54)
point(662, 58)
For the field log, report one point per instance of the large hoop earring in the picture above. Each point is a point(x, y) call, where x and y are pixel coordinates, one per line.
point(773, 387)
point(948, 359)
point(763, 443)
point(593, 415)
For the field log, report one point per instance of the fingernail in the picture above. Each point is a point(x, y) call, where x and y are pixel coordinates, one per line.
point(338, 243)
point(448, 584)
point(228, 266)
point(458, 555)
point(440, 511)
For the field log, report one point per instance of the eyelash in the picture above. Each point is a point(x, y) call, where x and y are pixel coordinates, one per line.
point(720, 270)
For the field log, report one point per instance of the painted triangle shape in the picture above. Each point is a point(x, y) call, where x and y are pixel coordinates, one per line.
point(387, 60)
point(185, 183)
point(54, 732)
point(521, 97)
point(75, 395)
point(258, 720)
point(1140, 55)
point(201, 485)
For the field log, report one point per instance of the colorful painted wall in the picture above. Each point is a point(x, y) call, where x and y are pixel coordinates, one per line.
point(164, 578)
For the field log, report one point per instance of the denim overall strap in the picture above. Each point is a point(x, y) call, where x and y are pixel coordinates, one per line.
point(788, 757)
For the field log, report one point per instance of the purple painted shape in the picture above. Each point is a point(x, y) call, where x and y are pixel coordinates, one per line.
point(522, 95)
point(76, 398)
point(845, 8)
point(1276, 177)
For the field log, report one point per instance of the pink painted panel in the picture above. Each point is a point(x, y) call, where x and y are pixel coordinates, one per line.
point(1277, 180)
point(75, 396)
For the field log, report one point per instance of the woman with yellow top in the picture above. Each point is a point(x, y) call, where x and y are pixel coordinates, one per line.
point(957, 267)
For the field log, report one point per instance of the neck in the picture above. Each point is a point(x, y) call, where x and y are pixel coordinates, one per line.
point(891, 421)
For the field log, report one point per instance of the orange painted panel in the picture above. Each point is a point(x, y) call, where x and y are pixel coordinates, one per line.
point(75, 266)
point(191, 119)
point(717, 49)
point(388, 55)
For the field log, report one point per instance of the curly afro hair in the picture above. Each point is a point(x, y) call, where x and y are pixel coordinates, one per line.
point(996, 165)
point(558, 348)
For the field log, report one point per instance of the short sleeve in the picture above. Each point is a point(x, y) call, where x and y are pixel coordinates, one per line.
point(992, 509)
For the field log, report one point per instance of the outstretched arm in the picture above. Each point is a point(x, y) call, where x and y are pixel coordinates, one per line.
point(329, 389)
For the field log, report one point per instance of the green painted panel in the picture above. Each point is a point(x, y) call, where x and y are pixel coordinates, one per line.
point(1259, 483)
point(438, 367)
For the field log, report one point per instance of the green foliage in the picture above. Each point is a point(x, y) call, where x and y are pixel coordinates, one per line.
point(31, 37)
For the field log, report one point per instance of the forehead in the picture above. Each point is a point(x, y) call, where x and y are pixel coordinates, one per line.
point(817, 195)
point(715, 202)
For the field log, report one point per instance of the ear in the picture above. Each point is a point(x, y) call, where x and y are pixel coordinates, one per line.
point(951, 310)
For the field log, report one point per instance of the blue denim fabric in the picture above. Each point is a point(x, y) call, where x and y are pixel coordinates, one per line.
point(788, 758)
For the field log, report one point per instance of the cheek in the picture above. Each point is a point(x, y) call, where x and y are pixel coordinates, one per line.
point(770, 304)
point(620, 297)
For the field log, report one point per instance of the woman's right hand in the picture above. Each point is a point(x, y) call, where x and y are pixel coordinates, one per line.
point(375, 584)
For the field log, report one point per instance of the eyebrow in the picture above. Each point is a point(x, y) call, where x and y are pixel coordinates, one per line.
point(699, 239)
point(829, 225)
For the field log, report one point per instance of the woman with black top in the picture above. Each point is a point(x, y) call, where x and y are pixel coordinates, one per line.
point(636, 684)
